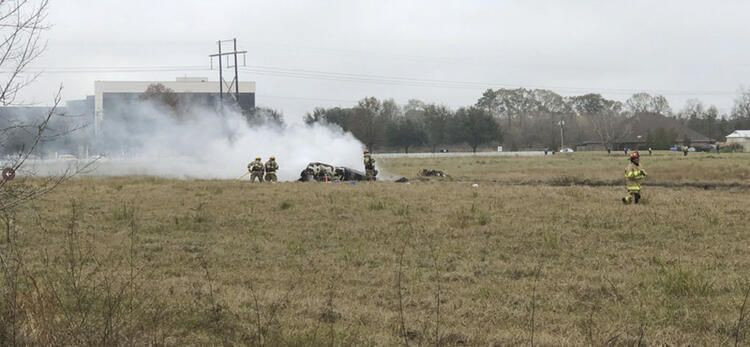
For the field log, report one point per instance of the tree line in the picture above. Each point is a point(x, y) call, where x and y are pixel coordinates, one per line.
point(517, 119)
point(526, 119)
point(386, 124)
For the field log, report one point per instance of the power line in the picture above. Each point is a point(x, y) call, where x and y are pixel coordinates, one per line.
point(421, 82)
point(98, 69)
point(374, 79)
point(305, 98)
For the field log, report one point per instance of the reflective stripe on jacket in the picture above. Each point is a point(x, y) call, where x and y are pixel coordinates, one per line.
point(369, 162)
point(271, 166)
point(633, 176)
point(256, 166)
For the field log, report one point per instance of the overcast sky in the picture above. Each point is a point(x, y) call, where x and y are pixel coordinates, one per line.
point(684, 49)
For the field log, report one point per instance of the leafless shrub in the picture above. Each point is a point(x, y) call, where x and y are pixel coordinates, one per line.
point(329, 314)
point(210, 311)
point(70, 299)
point(22, 23)
point(267, 328)
point(738, 333)
point(399, 287)
point(438, 281)
point(532, 309)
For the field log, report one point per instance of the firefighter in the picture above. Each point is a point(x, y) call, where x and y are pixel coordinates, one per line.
point(256, 170)
point(271, 167)
point(634, 174)
point(370, 171)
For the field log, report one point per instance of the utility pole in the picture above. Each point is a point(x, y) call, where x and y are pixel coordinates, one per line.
point(221, 78)
point(236, 74)
point(562, 135)
point(235, 82)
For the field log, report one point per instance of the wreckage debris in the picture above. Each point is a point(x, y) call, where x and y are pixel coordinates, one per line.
point(432, 173)
point(8, 174)
point(321, 172)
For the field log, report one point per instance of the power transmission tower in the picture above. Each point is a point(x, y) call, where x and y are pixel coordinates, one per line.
point(231, 57)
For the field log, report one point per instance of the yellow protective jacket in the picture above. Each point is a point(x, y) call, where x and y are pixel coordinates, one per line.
point(255, 166)
point(271, 166)
point(634, 174)
point(369, 162)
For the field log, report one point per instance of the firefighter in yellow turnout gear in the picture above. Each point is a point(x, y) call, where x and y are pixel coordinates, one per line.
point(634, 174)
point(370, 171)
point(256, 170)
point(271, 167)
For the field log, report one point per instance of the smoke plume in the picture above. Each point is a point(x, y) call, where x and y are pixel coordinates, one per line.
point(146, 138)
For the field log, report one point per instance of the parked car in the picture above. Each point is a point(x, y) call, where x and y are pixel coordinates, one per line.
point(567, 150)
point(66, 157)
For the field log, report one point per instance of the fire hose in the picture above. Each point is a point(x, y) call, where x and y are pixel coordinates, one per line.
point(241, 177)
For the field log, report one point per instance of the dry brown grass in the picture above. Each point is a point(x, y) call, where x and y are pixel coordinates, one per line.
point(662, 167)
point(313, 264)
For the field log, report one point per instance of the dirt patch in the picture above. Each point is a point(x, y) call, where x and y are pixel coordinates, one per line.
point(567, 181)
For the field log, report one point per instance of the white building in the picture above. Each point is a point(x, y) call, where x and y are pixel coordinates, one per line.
point(111, 94)
point(741, 137)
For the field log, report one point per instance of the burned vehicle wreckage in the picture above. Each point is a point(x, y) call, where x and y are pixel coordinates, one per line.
point(321, 172)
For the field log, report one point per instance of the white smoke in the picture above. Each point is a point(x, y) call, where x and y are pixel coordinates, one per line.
point(200, 142)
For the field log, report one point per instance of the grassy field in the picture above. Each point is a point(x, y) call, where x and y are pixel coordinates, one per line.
point(433, 262)
point(595, 166)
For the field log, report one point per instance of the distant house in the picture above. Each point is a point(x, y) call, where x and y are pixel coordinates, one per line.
point(645, 130)
point(740, 137)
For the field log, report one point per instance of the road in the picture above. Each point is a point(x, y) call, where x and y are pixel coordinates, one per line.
point(458, 154)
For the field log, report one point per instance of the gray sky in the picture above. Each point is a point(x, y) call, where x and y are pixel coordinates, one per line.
point(684, 49)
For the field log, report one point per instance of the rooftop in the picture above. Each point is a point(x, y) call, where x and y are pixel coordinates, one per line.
point(739, 134)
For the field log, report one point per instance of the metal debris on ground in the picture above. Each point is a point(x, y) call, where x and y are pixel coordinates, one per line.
point(432, 173)
point(321, 172)
point(9, 174)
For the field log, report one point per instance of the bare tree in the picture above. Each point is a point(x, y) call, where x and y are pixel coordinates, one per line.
point(647, 103)
point(161, 95)
point(741, 109)
point(608, 127)
point(22, 23)
point(660, 105)
point(369, 125)
point(694, 108)
point(639, 103)
point(593, 103)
